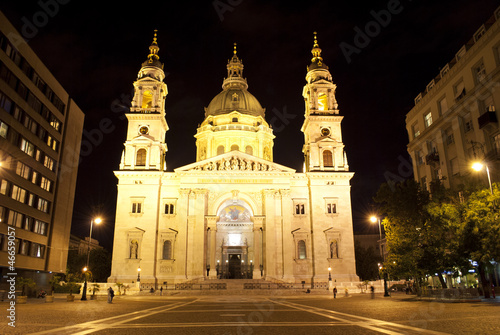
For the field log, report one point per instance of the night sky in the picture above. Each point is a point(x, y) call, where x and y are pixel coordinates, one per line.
point(96, 52)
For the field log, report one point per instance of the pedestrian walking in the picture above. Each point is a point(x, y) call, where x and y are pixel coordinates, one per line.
point(111, 294)
point(161, 290)
point(334, 292)
point(372, 290)
point(346, 292)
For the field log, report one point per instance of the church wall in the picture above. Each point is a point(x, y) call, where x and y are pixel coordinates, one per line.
point(139, 227)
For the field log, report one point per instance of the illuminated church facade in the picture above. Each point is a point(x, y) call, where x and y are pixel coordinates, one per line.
point(234, 213)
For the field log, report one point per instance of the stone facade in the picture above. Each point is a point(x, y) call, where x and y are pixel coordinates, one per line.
point(234, 213)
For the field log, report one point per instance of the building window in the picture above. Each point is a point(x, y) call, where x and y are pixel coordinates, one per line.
point(167, 249)
point(479, 72)
point(459, 90)
point(496, 144)
point(415, 130)
point(141, 157)
point(423, 183)
point(428, 120)
point(331, 207)
point(4, 129)
point(27, 147)
point(249, 150)
point(40, 227)
point(136, 207)
point(18, 194)
point(327, 158)
point(45, 184)
point(23, 170)
point(48, 163)
point(43, 205)
point(37, 250)
point(147, 99)
point(235, 147)
point(169, 208)
point(322, 102)
point(454, 166)
point(300, 207)
point(420, 158)
point(468, 126)
point(449, 138)
point(443, 106)
point(301, 249)
point(220, 150)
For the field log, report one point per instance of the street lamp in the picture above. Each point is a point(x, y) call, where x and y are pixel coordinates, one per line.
point(329, 278)
point(139, 274)
point(478, 166)
point(375, 219)
point(84, 294)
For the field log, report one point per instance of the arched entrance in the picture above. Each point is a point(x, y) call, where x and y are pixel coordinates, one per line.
point(234, 240)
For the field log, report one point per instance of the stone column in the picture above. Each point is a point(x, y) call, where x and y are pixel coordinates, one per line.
point(212, 225)
point(257, 245)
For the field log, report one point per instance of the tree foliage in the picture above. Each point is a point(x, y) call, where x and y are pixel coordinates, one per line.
point(443, 232)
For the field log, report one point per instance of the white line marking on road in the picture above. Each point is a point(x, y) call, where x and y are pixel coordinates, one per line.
point(231, 314)
point(97, 325)
point(364, 322)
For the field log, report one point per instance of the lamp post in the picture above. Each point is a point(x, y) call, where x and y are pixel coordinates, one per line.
point(377, 219)
point(329, 278)
point(478, 166)
point(139, 277)
point(84, 294)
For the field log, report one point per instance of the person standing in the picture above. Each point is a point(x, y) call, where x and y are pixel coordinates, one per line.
point(334, 292)
point(111, 294)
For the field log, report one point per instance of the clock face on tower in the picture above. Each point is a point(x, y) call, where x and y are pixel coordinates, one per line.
point(144, 130)
point(325, 131)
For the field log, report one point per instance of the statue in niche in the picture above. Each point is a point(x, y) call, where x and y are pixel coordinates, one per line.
point(334, 253)
point(134, 246)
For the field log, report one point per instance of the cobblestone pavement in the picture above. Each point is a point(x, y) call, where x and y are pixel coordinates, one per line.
point(245, 314)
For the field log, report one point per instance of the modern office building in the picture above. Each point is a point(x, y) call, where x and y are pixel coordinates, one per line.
point(234, 213)
point(455, 120)
point(40, 136)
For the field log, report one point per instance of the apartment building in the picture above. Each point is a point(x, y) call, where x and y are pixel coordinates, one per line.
point(40, 136)
point(455, 120)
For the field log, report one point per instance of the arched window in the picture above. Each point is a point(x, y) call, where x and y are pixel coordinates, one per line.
point(327, 158)
point(167, 249)
point(235, 147)
point(147, 99)
point(220, 150)
point(301, 247)
point(322, 102)
point(141, 157)
point(249, 150)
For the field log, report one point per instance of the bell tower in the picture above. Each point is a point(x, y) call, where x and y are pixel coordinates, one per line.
point(145, 146)
point(323, 148)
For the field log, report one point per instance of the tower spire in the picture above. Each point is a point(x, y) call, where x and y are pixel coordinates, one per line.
point(153, 57)
point(317, 60)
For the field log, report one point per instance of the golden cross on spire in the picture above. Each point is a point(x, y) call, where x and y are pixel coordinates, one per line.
point(316, 50)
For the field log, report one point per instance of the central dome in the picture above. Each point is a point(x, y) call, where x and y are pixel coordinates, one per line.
point(234, 99)
point(234, 95)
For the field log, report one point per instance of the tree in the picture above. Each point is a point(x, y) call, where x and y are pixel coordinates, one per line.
point(366, 262)
point(480, 229)
point(25, 283)
point(405, 216)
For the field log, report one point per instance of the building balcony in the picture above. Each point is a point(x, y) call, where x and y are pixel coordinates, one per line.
point(432, 158)
point(487, 118)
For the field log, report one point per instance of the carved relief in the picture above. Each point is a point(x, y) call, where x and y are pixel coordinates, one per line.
point(235, 164)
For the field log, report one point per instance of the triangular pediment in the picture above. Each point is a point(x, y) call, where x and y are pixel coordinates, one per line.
point(235, 161)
